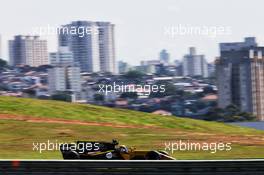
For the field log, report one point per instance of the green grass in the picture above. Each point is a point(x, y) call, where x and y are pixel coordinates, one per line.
point(150, 132)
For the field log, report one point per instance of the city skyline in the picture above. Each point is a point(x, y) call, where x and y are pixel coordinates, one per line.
point(140, 35)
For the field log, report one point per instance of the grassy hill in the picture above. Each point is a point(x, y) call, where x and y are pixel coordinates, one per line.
point(24, 121)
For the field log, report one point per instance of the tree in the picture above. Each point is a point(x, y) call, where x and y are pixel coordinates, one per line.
point(43, 68)
point(98, 97)
point(215, 114)
point(230, 114)
point(133, 74)
point(61, 96)
point(3, 64)
point(248, 116)
point(232, 110)
point(3, 87)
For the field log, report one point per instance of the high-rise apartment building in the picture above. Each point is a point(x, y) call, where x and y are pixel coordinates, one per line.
point(63, 57)
point(240, 76)
point(84, 44)
point(194, 65)
point(28, 50)
point(92, 45)
point(65, 74)
point(164, 57)
point(107, 47)
point(64, 78)
point(56, 80)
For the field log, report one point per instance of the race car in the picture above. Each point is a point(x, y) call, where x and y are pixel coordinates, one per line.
point(109, 151)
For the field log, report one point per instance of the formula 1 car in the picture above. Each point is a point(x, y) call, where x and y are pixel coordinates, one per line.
point(109, 151)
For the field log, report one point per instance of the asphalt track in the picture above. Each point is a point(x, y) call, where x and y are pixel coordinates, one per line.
point(41, 167)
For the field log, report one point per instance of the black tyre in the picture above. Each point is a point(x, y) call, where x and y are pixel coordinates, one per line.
point(152, 155)
point(71, 155)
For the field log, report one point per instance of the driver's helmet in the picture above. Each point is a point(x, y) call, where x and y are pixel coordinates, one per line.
point(123, 149)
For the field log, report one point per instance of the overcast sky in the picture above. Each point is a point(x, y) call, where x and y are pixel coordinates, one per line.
point(141, 25)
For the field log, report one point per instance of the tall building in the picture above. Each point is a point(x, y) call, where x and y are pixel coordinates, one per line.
point(56, 80)
point(178, 65)
point(194, 65)
point(107, 47)
point(28, 50)
point(63, 57)
point(240, 72)
point(64, 78)
point(65, 74)
point(123, 67)
point(164, 56)
point(84, 46)
point(211, 69)
point(149, 66)
point(93, 48)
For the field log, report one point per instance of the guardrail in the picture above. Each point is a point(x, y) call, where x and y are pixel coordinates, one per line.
point(41, 167)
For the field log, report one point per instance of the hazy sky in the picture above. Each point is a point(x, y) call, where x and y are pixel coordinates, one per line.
point(141, 25)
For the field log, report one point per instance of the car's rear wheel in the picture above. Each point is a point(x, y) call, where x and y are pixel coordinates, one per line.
point(71, 155)
point(152, 155)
